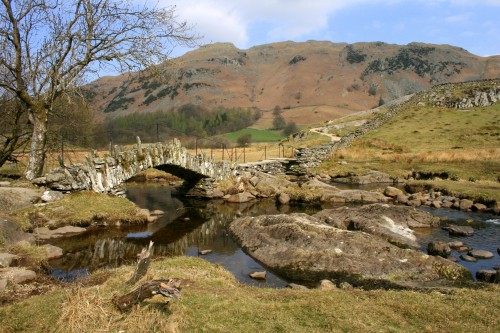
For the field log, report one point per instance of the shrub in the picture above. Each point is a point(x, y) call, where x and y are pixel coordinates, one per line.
point(244, 140)
point(290, 128)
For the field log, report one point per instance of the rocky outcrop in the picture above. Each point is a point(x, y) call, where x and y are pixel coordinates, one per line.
point(11, 233)
point(7, 259)
point(473, 94)
point(392, 223)
point(17, 197)
point(371, 177)
point(330, 193)
point(301, 247)
point(243, 186)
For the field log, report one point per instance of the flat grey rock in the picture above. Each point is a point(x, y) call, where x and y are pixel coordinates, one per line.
point(6, 259)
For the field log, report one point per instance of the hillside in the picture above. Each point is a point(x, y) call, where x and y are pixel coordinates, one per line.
point(338, 78)
point(447, 135)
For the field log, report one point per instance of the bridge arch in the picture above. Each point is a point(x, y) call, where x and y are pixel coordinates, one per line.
point(105, 174)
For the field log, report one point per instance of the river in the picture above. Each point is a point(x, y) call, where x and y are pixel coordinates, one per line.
point(190, 226)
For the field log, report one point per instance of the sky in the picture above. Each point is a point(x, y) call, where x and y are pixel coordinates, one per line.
point(471, 24)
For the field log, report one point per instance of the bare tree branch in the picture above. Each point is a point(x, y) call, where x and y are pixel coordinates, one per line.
point(48, 47)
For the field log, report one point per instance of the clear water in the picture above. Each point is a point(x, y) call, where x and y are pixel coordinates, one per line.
point(190, 226)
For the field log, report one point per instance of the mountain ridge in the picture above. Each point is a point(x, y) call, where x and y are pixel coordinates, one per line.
point(342, 76)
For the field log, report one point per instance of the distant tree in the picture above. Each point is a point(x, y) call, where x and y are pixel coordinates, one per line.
point(290, 128)
point(277, 111)
point(50, 47)
point(244, 140)
point(71, 122)
point(372, 91)
point(279, 122)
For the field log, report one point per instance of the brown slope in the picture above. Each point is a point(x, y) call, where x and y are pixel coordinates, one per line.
point(341, 77)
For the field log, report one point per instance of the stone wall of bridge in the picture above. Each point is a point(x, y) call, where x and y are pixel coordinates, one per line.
point(107, 173)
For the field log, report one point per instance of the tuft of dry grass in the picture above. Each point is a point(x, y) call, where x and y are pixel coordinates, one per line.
point(303, 193)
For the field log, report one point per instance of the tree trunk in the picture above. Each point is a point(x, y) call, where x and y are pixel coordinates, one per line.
point(38, 142)
point(167, 287)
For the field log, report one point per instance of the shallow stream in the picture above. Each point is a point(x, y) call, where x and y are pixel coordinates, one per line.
point(190, 226)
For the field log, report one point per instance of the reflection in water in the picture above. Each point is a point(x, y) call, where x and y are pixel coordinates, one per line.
point(189, 226)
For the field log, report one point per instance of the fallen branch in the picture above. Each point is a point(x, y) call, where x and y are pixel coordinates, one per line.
point(168, 288)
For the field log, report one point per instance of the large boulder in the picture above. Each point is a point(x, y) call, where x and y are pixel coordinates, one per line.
point(49, 196)
point(330, 193)
point(17, 197)
point(439, 248)
point(6, 259)
point(372, 177)
point(393, 223)
point(459, 230)
point(301, 247)
point(45, 234)
point(11, 233)
point(17, 274)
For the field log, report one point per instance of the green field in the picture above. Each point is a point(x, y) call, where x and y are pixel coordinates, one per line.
point(257, 135)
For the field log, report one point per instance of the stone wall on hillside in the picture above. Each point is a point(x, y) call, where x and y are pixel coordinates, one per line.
point(451, 95)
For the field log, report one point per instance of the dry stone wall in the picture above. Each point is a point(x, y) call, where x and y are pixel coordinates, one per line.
point(451, 95)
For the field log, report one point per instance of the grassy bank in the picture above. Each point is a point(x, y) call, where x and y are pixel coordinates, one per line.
point(81, 209)
point(462, 145)
point(212, 301)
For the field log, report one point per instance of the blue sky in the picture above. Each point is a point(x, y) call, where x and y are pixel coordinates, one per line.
point(471, 24)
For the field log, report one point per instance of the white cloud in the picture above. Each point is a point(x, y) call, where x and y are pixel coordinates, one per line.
point(230, 21)
point(248, 22)
point(215, 23)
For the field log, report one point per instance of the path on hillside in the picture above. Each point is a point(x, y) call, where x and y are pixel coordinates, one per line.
point(324, 131)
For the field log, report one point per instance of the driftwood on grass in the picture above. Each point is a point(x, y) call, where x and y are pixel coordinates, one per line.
point(143, 260)
point(168, 288)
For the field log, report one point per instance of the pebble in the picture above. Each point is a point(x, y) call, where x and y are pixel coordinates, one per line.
point(258, 275)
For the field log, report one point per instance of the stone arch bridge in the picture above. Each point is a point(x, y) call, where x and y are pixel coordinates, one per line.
point(106, 174)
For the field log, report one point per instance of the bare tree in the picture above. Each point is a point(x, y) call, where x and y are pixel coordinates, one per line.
point(50, 47)
point(14, 132)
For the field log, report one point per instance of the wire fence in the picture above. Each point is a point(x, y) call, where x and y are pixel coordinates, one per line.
point(62, 151)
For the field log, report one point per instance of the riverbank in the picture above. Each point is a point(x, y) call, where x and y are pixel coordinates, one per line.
point(213, 301)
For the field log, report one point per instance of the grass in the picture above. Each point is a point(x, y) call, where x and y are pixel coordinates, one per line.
point(29, 255)
point(81, 209)
point(465, 144)
point(213, 301)
point(257, 135)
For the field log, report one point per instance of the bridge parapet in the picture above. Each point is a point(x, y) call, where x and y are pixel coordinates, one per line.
point(104, 174)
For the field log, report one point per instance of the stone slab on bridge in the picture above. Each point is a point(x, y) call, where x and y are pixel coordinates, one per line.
point(106, 174)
